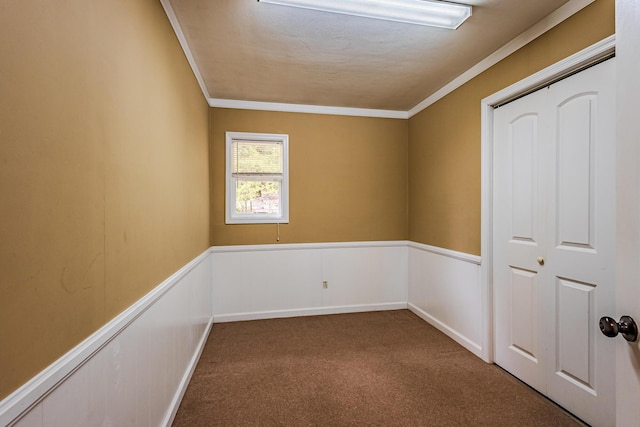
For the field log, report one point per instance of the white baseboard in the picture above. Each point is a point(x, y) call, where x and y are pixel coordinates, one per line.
point(473, 347)
point(276, 314)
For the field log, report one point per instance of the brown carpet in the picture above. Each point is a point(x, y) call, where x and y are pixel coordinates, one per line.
point(367, 369)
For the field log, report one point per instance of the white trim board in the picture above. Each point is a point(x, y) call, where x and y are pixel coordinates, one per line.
point(558, 16)
point(461, 256)
point(298, 246)
point(321, 311)
point(572, 63)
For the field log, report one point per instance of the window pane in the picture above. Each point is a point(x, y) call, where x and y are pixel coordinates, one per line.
point(256, 157)
point(257, 181)
point(257, 197)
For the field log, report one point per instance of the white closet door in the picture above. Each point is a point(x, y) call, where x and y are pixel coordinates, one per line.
point(519, 239)
point(554, 240)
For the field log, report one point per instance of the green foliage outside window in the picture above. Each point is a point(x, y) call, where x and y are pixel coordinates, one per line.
point(257, 167)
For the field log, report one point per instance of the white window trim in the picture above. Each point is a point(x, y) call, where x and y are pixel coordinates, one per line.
point(231, 217)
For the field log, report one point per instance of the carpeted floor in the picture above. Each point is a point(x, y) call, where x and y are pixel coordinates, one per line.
point(367, 369)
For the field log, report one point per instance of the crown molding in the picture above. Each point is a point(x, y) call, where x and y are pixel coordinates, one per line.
point(559, 15)
point(173, 19)
point(311, 109)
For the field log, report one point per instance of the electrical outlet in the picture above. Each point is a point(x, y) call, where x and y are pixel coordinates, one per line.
point(325, 284)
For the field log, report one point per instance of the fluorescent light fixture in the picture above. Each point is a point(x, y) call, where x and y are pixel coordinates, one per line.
point(422, 12)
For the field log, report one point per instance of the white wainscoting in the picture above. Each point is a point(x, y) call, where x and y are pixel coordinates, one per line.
point(268, 281)
point(134, 370)
point(445, 289)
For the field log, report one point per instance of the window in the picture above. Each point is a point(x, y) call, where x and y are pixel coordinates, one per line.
point(257, 178)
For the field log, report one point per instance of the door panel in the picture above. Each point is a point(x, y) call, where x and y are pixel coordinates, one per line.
point(554, 240)
point(517, 226)
point(518, 323)
point(582, 216)
point(575, 171)
point(574, 352)
point(524, 307)
point(523, 143)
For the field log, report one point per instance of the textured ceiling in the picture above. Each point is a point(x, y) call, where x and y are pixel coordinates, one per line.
point(252, 51)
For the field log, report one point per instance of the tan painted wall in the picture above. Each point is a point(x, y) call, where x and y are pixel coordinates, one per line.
point(348, 177)
point(103, 170)
point(444, 139)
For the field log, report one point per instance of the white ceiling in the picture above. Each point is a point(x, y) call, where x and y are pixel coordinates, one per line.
point(245, 50)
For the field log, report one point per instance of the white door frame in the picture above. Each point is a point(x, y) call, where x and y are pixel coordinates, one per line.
point(628, 208)
point(575, 62)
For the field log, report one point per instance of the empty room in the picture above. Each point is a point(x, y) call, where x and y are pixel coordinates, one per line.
point(300, 212)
